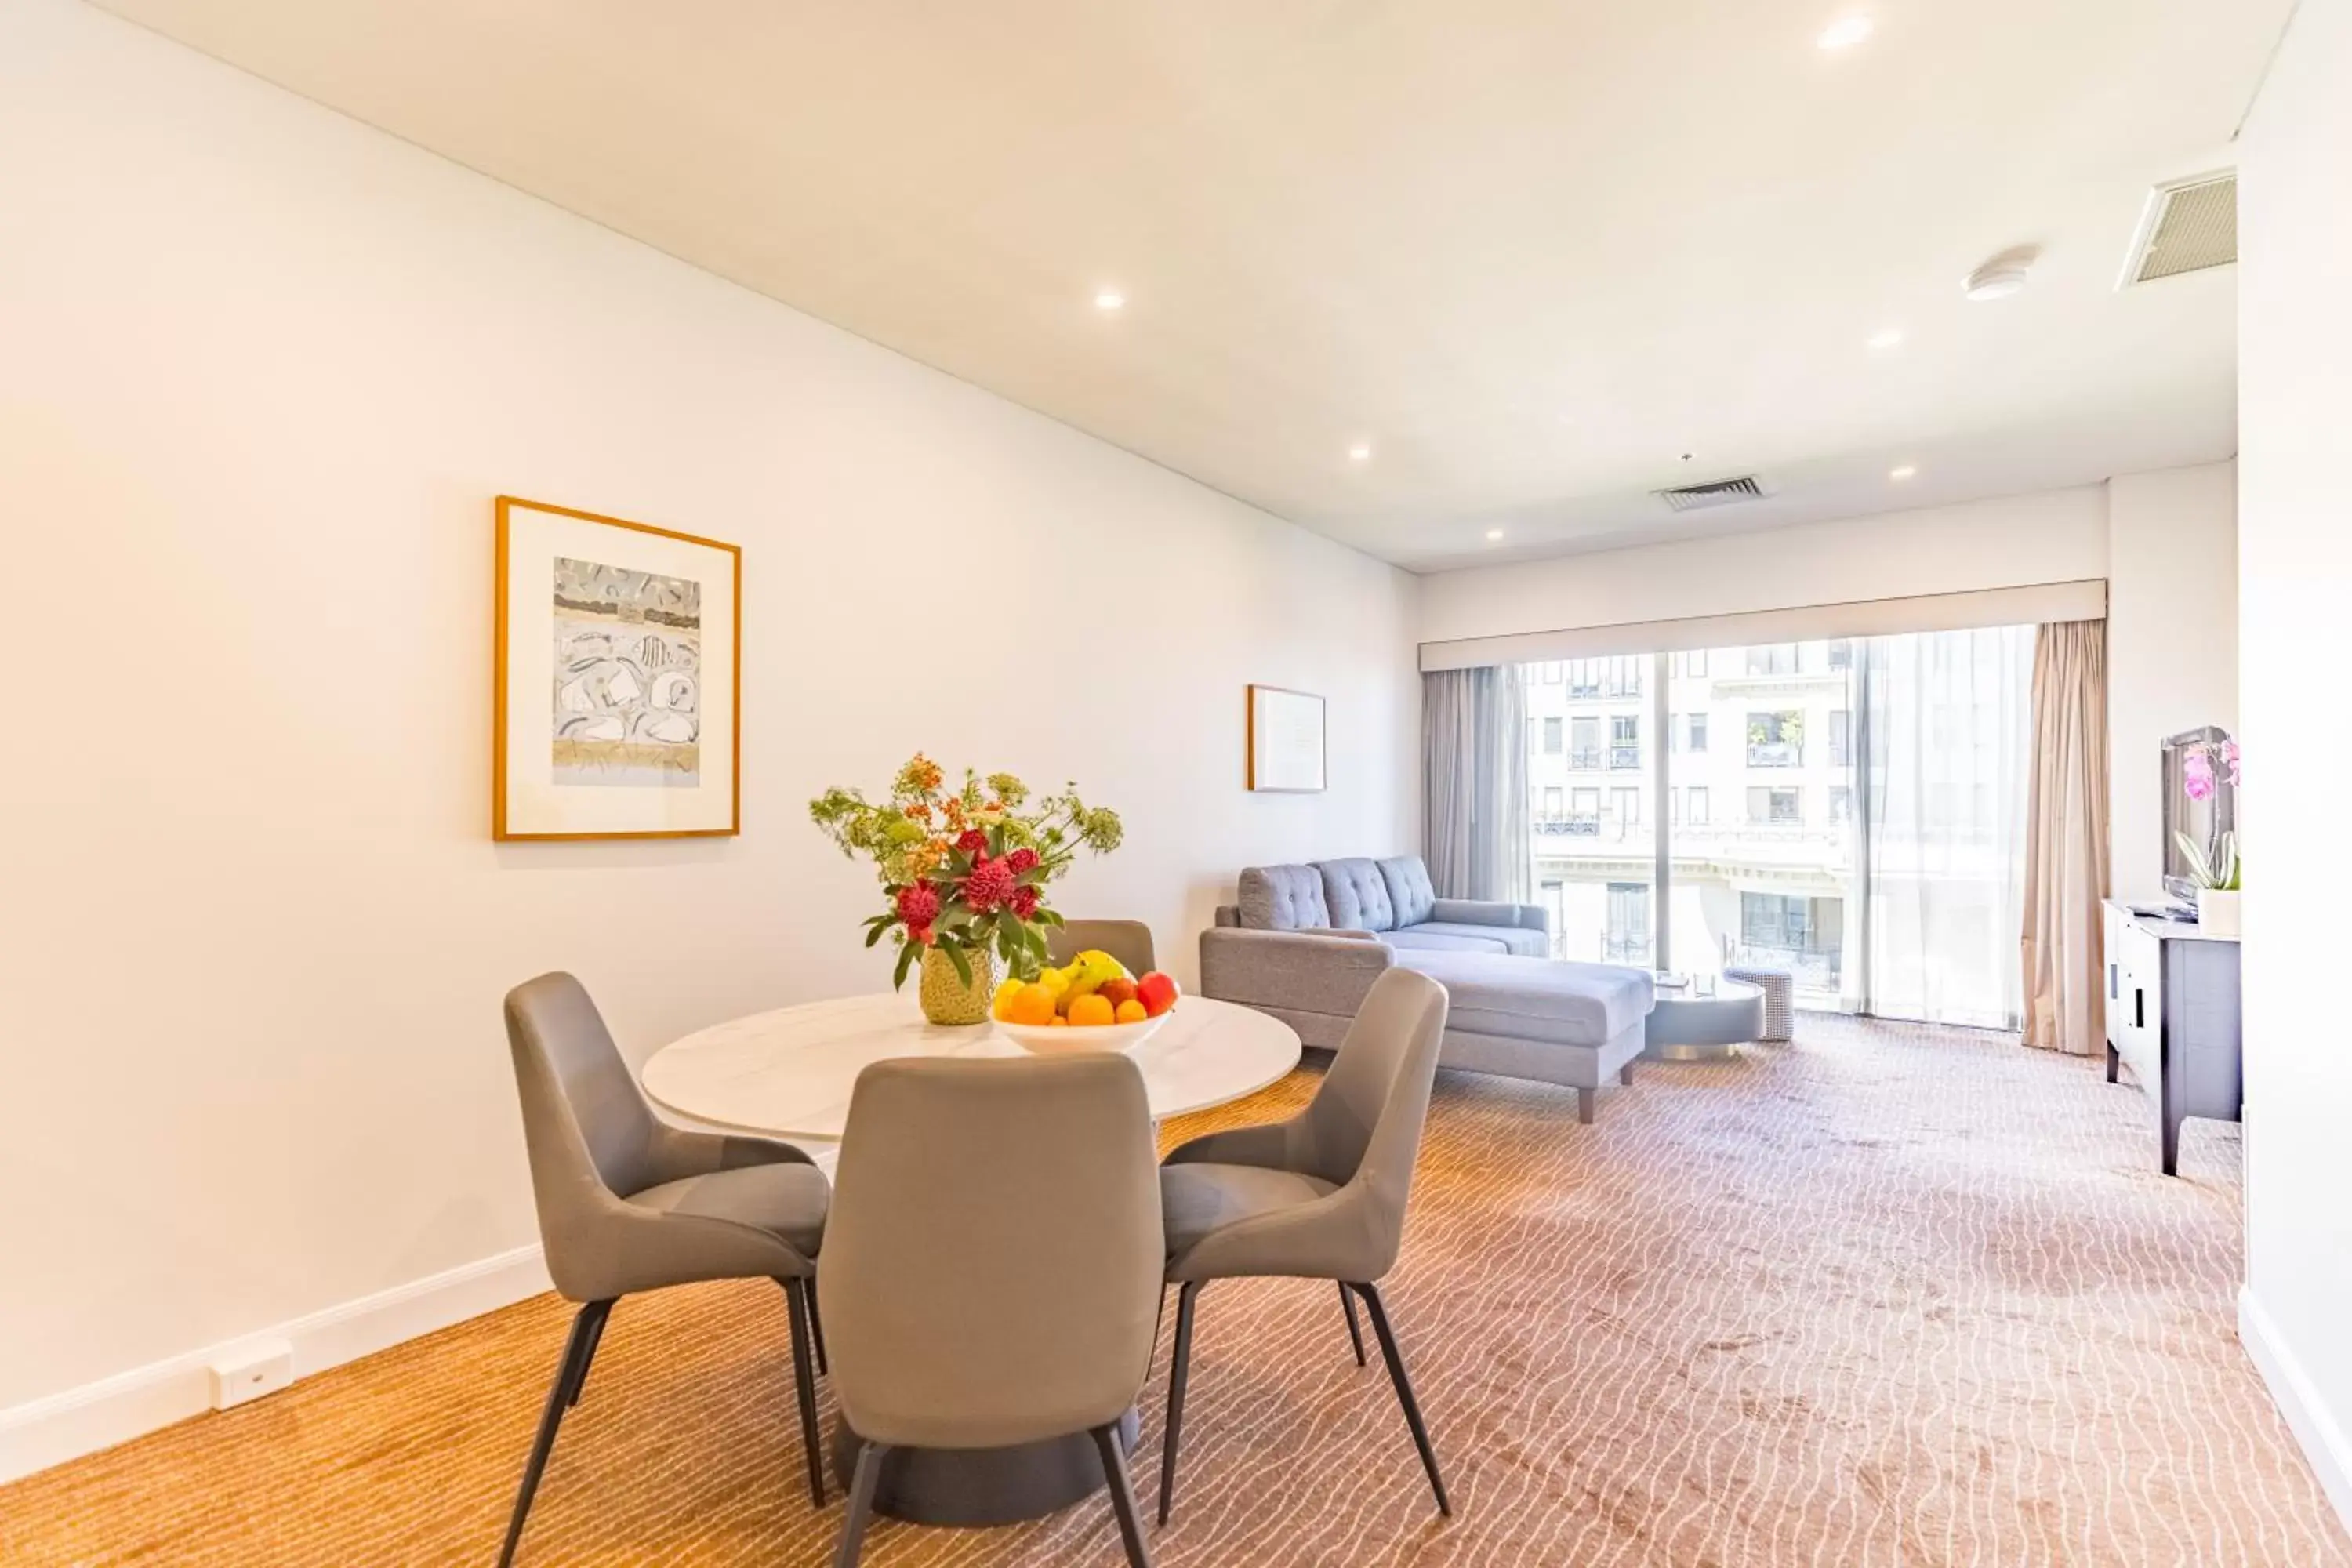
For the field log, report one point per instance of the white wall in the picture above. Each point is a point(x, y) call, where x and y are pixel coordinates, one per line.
point(2294, 585)
point(2054, 536)
point(264, 370)
point(2173, 643)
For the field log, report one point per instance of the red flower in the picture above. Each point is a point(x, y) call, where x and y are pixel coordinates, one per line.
point(971, 841)
point(990, 884)
point(1024, 901)
point(921, 934)
point(1021, 859)
point(919, 906)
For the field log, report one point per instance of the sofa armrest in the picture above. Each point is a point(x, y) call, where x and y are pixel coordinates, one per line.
point(1485, 913)
point(1301, 972)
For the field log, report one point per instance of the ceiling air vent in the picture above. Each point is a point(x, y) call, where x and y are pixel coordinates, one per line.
point(2188, 224)
point(1715, 492)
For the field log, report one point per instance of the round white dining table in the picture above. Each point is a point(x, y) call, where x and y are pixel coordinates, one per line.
point(788, 1074)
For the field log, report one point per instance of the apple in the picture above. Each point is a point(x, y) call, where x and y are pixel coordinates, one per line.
point(1116, 990)
point(1157, 992)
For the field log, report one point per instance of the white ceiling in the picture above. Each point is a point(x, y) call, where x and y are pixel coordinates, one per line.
point(1532, 251)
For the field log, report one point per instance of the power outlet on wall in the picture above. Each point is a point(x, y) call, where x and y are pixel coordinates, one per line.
point(251, 1371)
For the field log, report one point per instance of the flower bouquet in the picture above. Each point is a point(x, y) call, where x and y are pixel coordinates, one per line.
point(965, 872)
point(2216, 875)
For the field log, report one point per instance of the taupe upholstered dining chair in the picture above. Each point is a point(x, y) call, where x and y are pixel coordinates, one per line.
point(993, 1265)
point(1129, 942)
point(628, 1202)
point(1320, 1196)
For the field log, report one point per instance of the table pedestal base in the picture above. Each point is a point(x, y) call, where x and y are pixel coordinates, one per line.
point(976, 1487)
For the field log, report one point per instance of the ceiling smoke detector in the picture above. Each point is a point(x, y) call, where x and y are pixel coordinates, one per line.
point(2001, 275)
point(1715, 492)
point(2187, 226)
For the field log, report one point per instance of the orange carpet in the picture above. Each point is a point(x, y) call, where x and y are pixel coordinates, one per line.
point(1887, 1296)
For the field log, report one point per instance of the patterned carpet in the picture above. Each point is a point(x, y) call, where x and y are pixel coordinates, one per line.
point(1888, 1296)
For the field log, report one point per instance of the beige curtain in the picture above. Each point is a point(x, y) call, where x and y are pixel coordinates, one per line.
point(2066, 838)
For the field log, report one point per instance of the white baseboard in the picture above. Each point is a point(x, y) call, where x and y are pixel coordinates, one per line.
point(61, 1426)
point(2325, 1442)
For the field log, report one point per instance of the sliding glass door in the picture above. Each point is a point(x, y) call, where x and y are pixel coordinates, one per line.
point(1849, 811)
point(1592, 774)
point(1760, 798)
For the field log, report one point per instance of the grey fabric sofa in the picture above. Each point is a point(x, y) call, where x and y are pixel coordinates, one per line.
point(1306, 943)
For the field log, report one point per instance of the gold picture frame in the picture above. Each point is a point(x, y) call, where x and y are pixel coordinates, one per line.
point(602, 717)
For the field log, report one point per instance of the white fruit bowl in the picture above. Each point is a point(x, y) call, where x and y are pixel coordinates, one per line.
point(1068, 1040)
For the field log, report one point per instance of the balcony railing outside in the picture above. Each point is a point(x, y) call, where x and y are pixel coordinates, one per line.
point(1586, 759)
point(1619, 947)
point(1775, 754)
point(1571, 826)
point(1624, 756)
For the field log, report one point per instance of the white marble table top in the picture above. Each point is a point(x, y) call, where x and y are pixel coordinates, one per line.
point(788, 1074)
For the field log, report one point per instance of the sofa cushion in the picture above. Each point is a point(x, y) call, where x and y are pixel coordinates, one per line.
point(1283, 897)
point(1410, 893)
point(1520, 940)
point(1535, 998)
point(1451, 941)
point(1357, 894)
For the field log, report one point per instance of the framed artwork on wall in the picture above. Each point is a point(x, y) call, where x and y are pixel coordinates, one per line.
point(617, 707)
point(1286, 740)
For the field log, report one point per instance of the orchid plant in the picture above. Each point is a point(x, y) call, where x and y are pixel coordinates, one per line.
point(2200, 773)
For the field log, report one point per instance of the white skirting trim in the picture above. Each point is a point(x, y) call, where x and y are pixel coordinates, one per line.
point(2325, 1442)
point(62, 1427)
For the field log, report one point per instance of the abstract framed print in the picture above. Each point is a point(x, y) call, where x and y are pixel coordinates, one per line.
point(617, 710)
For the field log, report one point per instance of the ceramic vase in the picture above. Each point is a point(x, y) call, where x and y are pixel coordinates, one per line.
point(2217, 912)
point(946, 998)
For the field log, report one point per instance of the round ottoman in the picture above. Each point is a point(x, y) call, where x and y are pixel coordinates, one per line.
point(1686, 1026)
point(1779, 990)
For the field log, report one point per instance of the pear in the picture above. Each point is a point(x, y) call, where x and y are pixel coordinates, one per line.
point(1091, 969)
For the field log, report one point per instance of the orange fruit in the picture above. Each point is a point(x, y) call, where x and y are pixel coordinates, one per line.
point(1131, 1012)
point(1031, 1004)
point(1058, 1021)
point(1089, 1012)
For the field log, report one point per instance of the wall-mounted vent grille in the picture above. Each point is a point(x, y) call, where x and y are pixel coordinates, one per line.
point(1715, 492)
point(2188, 225)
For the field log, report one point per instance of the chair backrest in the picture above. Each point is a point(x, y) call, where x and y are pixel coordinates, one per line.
point(992, 1259)
point(1129, 942)
point(585, 1120)
point(1364, 1123)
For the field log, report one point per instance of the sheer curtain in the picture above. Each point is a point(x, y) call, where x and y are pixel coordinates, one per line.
point(1474, 749)
point(1946, 730)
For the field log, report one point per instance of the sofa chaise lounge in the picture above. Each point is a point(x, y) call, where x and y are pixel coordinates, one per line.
point(1306, 943)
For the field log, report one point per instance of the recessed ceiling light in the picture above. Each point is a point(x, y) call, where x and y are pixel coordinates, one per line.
point(1844, 32)
point(1886, 338)
point(1901, 473)
point(1109, 299)
point(1494, 534)
point(1361, 452)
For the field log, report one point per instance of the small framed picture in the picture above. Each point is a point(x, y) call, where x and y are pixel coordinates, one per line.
point(1286, 740)
point(617, 710)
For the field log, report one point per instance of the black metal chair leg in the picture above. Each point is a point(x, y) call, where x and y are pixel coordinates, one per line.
point(570, 1373)
point(861, 1503)
point(816, 1329)
point(805, 1385)
point(1178, 1364)
point(1355, 1335)
point(1389, 1353)
point(588, 1357)
point(1122, 1496)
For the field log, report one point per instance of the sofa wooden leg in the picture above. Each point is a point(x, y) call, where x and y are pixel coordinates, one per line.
point(1625, 1075)
point(1585, 1099)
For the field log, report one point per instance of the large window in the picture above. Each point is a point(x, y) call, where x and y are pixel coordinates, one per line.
point(1551, 736)
point(1805, 935)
